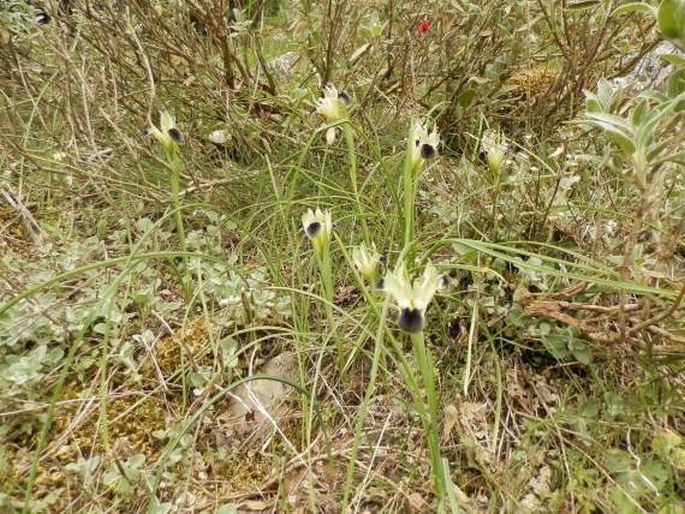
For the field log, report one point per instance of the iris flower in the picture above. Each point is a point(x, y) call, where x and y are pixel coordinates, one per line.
point(366, 261)
point(167, 134)
point(424, 143)
point(318, 227)
point(412, 298)
point(332, 105)
point(494, 144)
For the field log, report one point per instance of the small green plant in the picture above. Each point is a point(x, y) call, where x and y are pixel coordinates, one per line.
point(334, 107)
point(647, 149)
point(422, 146)
point(412, 299)
point(318, 227)
point(169, 137)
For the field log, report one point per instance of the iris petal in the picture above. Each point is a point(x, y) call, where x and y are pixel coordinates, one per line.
point(428, 151)
point(411, 320)
point(175, 134)
point(313, 229)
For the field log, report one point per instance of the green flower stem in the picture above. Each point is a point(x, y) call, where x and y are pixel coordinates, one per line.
point(429, 409)
point(175, 166)
point(495, 207)
point(323, 259)
point(352, 157)
point(409, 192)
point(408, 210)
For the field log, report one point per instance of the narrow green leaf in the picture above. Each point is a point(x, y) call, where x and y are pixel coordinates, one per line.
point(639, 113)
point(617, 130)
point(634, 7)
point(582, 5)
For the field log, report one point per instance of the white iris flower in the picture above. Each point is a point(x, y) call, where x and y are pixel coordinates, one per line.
point(332, 104)
point(167, 134)
point(494, 144)
point(318, 226)
point(424, 144)
point(412, 298)
point(366, 261)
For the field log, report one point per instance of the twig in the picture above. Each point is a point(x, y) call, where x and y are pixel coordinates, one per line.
point(659, 317)
point(29, 221)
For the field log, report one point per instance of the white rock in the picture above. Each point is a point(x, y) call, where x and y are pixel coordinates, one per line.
point(219, 137)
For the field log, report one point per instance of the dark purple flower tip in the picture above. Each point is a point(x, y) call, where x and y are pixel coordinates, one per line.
point(428, 151)
point(175, 134)
point(313, 229)
point(344, 97)
point(411, 320)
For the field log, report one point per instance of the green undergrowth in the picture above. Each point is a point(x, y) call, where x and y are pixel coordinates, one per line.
point(178, 333)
